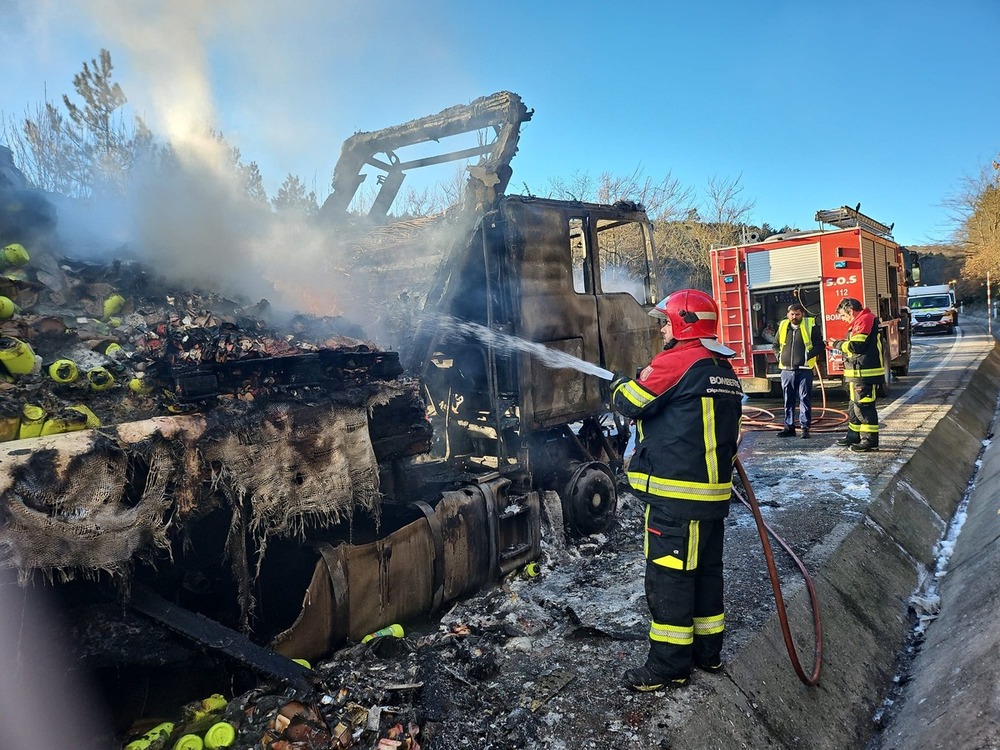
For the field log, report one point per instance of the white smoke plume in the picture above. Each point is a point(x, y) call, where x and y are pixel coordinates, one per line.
point(195, 224)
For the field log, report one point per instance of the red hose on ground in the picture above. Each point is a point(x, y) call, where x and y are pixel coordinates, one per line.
point(751, 502)
point(824, 418)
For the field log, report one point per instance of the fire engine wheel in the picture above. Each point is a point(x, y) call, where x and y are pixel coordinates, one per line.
point(883, 388)
point(589, 499)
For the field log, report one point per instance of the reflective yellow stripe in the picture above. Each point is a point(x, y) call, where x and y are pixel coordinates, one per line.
point(694, 531)
point(709, 625)
point(854, 427)
point(662, 487)
point(708, 421)
point(636, 394)
point(675, 634)
point(868, 428)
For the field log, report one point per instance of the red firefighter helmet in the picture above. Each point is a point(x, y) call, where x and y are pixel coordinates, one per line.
point(692, 314)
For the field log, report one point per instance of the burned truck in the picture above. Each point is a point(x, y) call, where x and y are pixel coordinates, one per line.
point(305, 495)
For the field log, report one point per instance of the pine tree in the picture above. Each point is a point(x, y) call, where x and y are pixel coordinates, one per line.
point(89, 150)
point(292, 196)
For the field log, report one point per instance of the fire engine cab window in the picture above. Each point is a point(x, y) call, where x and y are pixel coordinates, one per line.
point(578, 251)
point(624, 261)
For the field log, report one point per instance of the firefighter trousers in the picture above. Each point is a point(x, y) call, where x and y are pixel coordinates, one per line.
point(683, 591)
point(862, 414)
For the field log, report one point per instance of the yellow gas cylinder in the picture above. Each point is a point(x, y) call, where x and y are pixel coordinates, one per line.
point(32, 419)
point(100, 379)
point(158, 733)
point(140, 387)
point(213, 704)
point(63, 371)
point(67, 420)
point(7, 307)
point(219, 736)
point(93, 421)
point(189, 742)
point(395, 630)
point(14, 254)
point(16, 355)
point(113, 305)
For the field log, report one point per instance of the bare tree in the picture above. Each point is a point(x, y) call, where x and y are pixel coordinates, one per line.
point(976, 211)
point(92, 148)
point(663, 199)
point(41, 150)
point(685, 242)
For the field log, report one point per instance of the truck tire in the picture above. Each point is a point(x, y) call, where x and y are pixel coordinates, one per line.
point(589, 499)
point(883, 388)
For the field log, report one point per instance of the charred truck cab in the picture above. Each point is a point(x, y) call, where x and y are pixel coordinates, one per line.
point(546, 274)
point(754, 283)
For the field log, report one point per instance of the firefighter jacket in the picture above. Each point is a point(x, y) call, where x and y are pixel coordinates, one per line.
point(798, 348)
point(687, 406)
point(863, 356)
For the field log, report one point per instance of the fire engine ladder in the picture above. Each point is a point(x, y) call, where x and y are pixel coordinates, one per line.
point(849, 218)
point(732, 327)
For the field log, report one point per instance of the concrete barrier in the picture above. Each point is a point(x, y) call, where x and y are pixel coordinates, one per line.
point(953, 699)
point(864, 588)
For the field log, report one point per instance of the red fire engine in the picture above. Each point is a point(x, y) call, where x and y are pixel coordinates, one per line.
point(754, 283)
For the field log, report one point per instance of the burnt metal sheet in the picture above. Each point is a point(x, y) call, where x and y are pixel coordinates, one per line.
point(211, 634)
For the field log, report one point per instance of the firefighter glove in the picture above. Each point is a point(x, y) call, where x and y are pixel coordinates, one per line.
point(618, 380)
point(837, 344)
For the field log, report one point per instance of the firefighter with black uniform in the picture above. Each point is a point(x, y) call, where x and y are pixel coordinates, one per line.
point(864, 368)
point(687, 406)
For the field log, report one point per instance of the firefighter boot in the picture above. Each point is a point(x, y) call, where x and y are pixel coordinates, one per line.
point(864, 446)
point(711, 668)
point(848, 440)
point(787, 432)
point(644, 680)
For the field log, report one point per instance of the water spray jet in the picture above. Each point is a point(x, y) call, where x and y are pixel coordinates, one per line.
point(508, 343)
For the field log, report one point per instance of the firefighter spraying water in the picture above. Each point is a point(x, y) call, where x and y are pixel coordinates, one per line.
point(687, 405)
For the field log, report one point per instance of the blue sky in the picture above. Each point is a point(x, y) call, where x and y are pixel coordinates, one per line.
point(810, 105)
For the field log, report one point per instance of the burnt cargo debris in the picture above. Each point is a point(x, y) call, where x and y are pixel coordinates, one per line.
point(178, 404)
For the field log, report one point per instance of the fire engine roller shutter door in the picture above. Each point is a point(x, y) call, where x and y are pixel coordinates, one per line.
point(782, 266)
point(884, 257)
point(868, 267)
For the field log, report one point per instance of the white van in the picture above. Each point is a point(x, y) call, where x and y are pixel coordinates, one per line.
point(932, 308)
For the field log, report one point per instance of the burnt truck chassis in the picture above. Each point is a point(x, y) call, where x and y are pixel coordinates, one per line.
point(450, 501)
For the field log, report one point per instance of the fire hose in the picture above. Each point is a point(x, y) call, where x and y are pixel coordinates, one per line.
point(763, 529)
point(752, 414)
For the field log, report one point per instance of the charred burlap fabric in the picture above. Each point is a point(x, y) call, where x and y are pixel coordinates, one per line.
point(79, 503)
